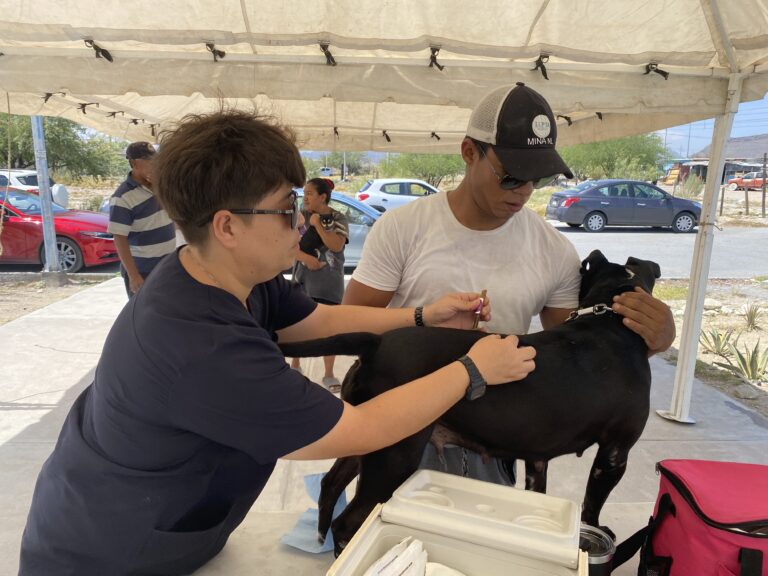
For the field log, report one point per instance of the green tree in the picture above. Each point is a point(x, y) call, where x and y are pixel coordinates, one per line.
point(635, 157)
point(70, 148)
point(311, 166)
point(429, 167)
point(357, 162)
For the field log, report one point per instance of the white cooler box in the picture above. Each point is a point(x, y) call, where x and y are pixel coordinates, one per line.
point(475, 527)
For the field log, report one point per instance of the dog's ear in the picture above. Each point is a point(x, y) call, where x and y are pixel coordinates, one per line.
point(593, 261)
point(647, 270)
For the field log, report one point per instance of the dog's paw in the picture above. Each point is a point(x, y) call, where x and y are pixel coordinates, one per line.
point(320, 538)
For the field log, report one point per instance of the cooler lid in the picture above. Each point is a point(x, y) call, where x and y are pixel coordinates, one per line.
point(519, 521)
point(726, 492)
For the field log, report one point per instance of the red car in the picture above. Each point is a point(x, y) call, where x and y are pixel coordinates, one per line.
point(81, 236)
point(750, 181)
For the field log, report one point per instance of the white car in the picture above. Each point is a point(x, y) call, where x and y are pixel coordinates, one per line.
point(387, 193)
point(26, 180)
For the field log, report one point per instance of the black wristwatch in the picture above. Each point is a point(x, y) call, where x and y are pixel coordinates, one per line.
point(477, 383)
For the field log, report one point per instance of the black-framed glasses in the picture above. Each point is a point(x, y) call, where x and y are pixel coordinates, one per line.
point(294, 211)
point(507, 182)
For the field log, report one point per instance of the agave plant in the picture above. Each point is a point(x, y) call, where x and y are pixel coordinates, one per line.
point(718, 343)
point(752, 365)
point(752, 313)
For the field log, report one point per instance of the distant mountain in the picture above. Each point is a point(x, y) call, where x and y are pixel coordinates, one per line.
point(742, 148)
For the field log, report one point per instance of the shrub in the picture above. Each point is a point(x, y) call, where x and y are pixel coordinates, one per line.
point(691, 187)
point(718, 343)
point(93, 203)
point(752, 313)
point(752, 365)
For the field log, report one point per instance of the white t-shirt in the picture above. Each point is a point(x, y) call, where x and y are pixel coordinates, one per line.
point(421, 252)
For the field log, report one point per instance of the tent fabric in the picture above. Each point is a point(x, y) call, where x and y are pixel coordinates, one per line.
point(382, 80)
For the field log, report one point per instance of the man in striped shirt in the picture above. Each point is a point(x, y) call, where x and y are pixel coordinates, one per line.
point(142, 230)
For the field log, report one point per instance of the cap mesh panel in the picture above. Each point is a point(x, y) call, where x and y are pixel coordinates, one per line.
point(482, 123)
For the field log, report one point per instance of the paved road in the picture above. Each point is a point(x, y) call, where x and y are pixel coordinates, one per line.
point(736, 252)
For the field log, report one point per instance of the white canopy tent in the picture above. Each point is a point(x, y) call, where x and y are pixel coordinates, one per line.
point(614, 68)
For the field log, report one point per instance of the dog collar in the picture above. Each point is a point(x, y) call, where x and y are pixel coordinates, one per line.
point(597, 310)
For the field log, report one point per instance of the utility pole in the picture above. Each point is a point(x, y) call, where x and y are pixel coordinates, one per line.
point(688, 149)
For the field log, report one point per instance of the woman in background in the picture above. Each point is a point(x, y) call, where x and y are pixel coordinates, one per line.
point(319, 266)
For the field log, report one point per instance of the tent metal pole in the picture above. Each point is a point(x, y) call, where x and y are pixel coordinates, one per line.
point(689, 339)
point(52, 265)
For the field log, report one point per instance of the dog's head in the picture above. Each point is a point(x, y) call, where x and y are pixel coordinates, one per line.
point(601, 280)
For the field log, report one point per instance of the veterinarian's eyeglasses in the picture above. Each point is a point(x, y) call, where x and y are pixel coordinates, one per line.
point(294, 211)
point(507, 182)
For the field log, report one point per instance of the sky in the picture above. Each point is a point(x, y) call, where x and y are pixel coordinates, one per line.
point(750, 120)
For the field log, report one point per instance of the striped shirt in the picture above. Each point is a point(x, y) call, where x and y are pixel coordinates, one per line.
point(135, 212)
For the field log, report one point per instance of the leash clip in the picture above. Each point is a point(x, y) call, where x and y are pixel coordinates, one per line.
point(598, 309)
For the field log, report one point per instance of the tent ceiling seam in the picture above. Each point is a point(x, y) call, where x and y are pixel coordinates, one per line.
point(247, 24)
point(536, 19)
point(714, 20)
point(240, 59)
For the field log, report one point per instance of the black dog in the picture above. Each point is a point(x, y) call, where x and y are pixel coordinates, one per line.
point(591, 385)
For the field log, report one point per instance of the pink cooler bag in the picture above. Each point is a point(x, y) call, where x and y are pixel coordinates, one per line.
point(710, 519)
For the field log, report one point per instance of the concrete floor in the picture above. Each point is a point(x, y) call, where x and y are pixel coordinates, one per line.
point(49, 356)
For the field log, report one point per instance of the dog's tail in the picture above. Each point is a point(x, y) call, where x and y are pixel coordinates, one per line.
point(362, 344)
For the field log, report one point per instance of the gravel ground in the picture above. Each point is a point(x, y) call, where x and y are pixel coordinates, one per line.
point(20, 297)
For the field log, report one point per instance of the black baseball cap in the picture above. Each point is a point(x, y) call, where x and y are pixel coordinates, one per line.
point(520, 126)
point(139, 151)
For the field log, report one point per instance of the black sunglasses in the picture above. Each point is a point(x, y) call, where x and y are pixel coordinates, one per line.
point(294, 211)
point(507, 182)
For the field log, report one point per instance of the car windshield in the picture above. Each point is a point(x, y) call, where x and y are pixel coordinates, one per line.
point(27, 203)
point(581, 186)
point(366, 186)
point(31, 180)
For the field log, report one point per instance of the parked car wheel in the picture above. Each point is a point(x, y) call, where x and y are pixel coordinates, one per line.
point(70, 255)
point(733, 186)
point(684, 222)
point(594, 222)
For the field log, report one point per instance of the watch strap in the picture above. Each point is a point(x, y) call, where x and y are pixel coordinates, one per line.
point(477, 383)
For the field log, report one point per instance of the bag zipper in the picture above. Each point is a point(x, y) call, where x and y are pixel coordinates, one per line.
point(742, 528)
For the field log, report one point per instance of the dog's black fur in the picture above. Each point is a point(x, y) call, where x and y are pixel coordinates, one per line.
point(591, 385)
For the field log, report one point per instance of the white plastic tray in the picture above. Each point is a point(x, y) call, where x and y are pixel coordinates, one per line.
point(478, 528)
point(519, 521)
point(375, 537)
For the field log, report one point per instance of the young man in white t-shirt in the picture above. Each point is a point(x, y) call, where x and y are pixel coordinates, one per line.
point(481, 236)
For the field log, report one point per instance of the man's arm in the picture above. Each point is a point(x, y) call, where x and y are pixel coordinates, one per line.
point(135, 280)
point(647, 316)
point(359, 294)
point(643, 314)
point(551, 317)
